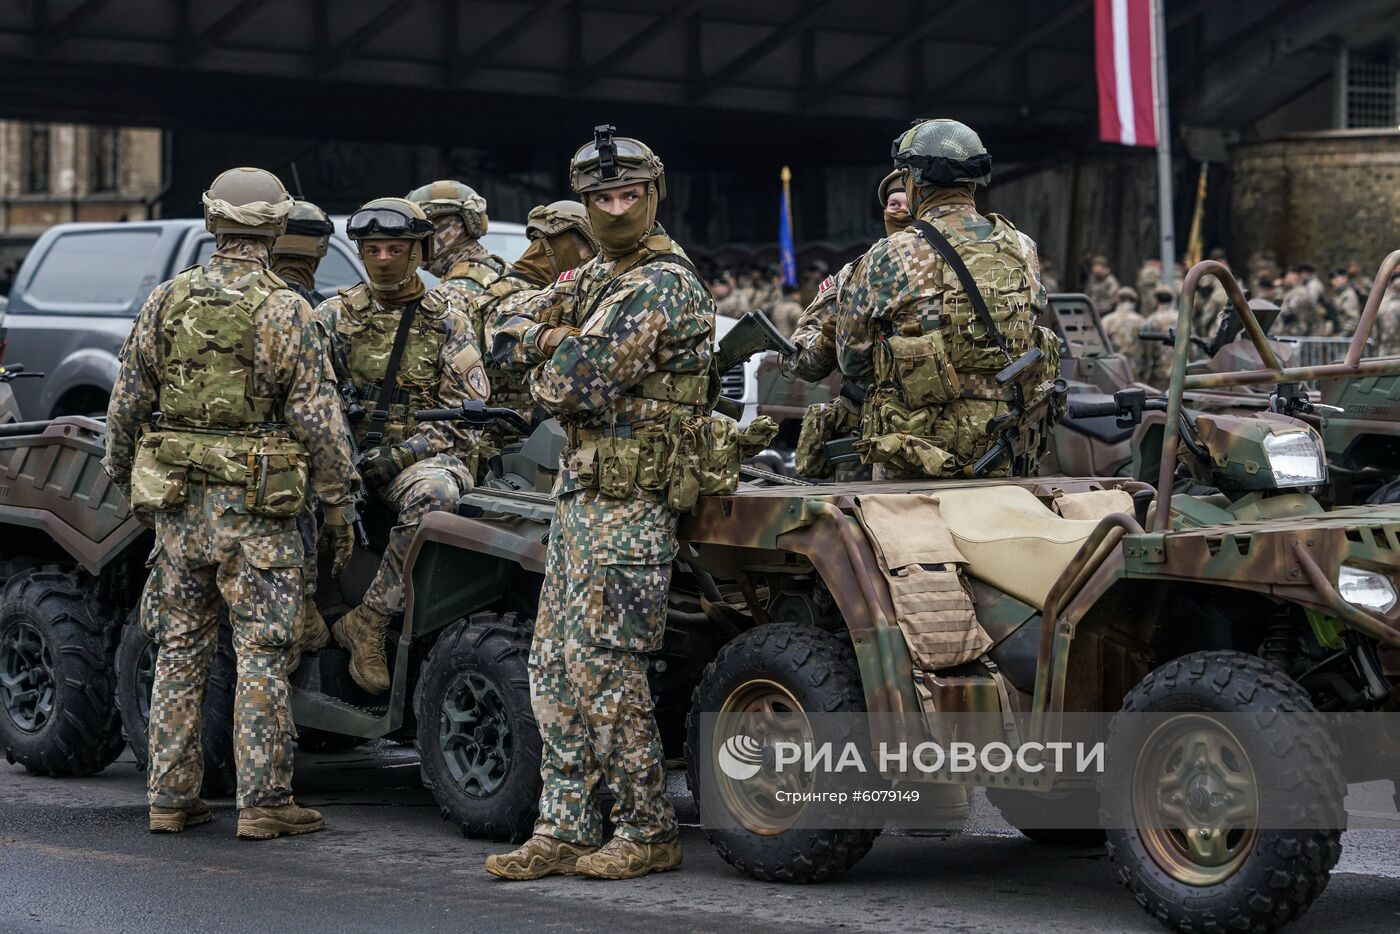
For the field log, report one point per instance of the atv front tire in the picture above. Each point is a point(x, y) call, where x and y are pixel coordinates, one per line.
point(796, 667)
point(136, 665)
point(57, 715)
point(478, 740)
point(1191, 863)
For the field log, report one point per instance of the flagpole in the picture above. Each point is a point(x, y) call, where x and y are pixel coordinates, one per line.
point(1164, 143)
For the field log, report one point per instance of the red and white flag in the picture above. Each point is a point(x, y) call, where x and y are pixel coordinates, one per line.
point(1123, 62)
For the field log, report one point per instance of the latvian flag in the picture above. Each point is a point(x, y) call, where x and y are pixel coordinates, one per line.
point(1123, 61)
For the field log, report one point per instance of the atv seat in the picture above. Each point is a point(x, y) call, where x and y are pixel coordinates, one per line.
point(1011, 540)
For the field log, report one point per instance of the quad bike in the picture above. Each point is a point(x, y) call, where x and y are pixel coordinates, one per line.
point(1358, 420)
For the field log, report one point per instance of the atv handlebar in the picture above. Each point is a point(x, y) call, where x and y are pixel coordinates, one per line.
point(8, 373)
point(1127, 404)
point(475, 413)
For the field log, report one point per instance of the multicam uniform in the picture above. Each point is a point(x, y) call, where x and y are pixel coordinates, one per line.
point(1123, 325)
point(227, 355)
point(1103, 292)
point(1157, 368)
point(636, 371)
point(441, 368)
point(1300, 315)
point(902, 288)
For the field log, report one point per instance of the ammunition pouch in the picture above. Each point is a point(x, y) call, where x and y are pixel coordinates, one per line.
point(272, 468)
point(823, 422)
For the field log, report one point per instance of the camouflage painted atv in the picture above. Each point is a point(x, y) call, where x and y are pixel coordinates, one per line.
point(1358, 419)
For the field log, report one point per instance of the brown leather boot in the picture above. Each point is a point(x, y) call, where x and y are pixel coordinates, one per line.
point(361, 631)
point(540, 856)
point(620, 858)
point(312, 635)
point(284, 820)
point(174, 820)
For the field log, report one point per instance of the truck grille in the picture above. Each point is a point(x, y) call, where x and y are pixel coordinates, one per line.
point(731, 383)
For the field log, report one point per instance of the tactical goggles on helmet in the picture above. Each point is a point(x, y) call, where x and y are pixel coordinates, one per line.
point(309, 227)
point(386, 224)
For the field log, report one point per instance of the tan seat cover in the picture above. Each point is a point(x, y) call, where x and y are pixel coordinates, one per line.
point(1011, 540)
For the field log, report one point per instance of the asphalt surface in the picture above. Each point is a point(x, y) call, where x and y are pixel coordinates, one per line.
point(75, 856)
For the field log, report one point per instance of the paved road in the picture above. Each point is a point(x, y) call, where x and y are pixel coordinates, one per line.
point(74, 856)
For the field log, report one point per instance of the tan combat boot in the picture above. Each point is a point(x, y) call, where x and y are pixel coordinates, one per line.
point(312, 635)
point(620, 858)
point(174, 820)
point(361, 631)
point(284, 820)
point(540, 856)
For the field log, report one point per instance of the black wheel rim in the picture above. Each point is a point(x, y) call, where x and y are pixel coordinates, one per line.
point(146, 679)
point(474, 734)
point(26, 677)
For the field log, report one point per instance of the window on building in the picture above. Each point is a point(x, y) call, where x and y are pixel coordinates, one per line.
point(106, 159)
point(36, 158)
point(1371, 89)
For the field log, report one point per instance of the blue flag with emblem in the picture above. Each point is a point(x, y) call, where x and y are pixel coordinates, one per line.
point(787, 252)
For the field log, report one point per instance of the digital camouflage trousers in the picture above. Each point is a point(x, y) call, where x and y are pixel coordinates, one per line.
point(210, 553)
point(604, 601)
point(428, 486)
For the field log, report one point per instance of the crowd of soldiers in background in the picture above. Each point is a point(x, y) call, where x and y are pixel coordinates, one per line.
point(1308, 306)
point(761, 288)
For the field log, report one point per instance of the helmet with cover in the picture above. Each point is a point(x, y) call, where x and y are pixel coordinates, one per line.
point(308, 232)
point(551, 220)
point(393, 219)
point(940, 153)
point(449, 198)
point(609, 162)
point(247, 202)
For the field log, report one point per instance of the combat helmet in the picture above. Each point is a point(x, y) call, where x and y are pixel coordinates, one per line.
point(446, 197)
point(550, 220)
point(393, 219)
point(247, 201)
point(942, 152)
point(308, 232)
point(888, 186)
point(611, 161)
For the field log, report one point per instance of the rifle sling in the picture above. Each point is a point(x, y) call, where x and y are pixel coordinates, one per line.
point(950, 256)
point(380, 416)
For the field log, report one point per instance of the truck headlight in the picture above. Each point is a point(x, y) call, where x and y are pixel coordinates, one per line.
point(1295, 458)
point(1368, 589)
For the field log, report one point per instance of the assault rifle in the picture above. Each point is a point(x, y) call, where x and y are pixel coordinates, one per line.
point(354, 411)
point(753, 333)
point(1007, 426)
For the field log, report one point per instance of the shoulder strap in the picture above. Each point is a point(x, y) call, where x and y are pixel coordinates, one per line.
point(950, 256)
point(380, 415)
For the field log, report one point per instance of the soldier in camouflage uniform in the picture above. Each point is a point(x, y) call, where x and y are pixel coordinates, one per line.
point(1157, 367)
point(625, 368)
point(1348, 302)
point(415, 467)
point(1103, 286)
point(227, 355)
point(295, 256)
point(906, 330)
point(1300, 314)
point(1387, 327)
point(1122, 325)
point(472, 277)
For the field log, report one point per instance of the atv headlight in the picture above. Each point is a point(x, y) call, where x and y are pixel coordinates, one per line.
point(1367, 589)
point(1295, 458)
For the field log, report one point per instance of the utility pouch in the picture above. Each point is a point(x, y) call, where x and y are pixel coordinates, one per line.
point(583, 461)
point(275, 484)
point(654, 457)
point(156, 486)
point(820, 423)
point(617, 466)
point(718, 451)
point(919, 366)
point(684, 488)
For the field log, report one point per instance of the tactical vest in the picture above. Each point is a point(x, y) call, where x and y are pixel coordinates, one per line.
point(368, 333)
point(214, 428)
point(935, 389)
point(659, 437)
point(505, 391)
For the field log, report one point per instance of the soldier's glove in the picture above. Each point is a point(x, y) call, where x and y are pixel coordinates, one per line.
point(381, 465)
point(337, 536)
point(549, 339)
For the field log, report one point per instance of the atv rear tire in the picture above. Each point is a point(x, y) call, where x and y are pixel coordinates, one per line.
point(1025, 809)
point(477, 738)
point(1254, 879)
point(817, 672)
point(136, 658)
point(57, 715)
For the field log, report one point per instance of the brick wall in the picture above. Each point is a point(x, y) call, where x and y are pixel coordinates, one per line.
point(1324, 198)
